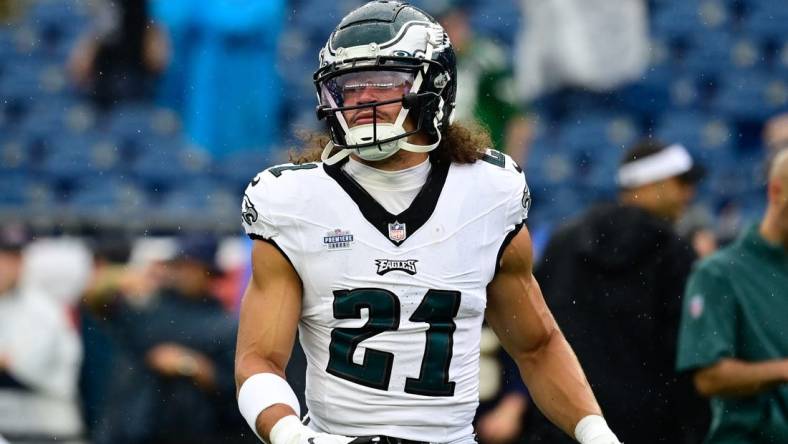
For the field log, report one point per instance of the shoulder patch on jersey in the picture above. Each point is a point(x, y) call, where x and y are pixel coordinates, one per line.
point(338, 240)
point(249, 212)
point(696, 306)
point(526, 200)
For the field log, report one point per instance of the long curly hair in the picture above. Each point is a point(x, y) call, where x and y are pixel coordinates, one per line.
point(462, 143)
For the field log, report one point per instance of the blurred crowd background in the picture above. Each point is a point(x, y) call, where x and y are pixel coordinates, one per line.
point(129, 129)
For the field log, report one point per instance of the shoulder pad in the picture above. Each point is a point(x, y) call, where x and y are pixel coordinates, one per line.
point(269, 194)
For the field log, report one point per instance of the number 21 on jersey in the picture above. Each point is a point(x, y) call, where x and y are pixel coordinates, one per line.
point(438, 309)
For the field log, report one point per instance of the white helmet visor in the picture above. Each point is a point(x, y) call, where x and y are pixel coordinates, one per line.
point(359, 88)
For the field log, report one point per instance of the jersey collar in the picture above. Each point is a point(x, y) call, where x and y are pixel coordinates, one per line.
point(397, 228)
point(752, 239)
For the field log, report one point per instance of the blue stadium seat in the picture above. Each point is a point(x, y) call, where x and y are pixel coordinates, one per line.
point(595, 131)
point(557, 204)
point(13, 189)
point(322, 17)
point(22, 196)
point(165, 168)
point(22, 79)
point(77, 157)
point(14, 158)
point(736, 174)
point(61, 115)
point(594, 144)
point(546, 166)
point(751, 95)
point(7, 49)
point(782, 62)
point(14, 108)
point(110, 199)
point(697, 131)
point(767, 21)
point(683, 19)
point(199, 202)
point(709, 52)
point(650, 95)
point(237, 169)
point(500, 20)
point(137, 145)
point(159, 168)
point(136, 120)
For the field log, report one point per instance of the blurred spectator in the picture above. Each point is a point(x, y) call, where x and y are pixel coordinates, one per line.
point(734, 323)
point(487, 94)
point(115, 59)
point(697, 225)
point(614, 278)
point(775, 134)
point(123, 277)
point(231, 260)
point(230, 93)
point(146, 272)
point(174, 375)
point(40, 351)
point(111, 253)
point(503, 398)
point(589, 44)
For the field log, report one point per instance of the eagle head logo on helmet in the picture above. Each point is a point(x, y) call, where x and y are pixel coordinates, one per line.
point(397, 48)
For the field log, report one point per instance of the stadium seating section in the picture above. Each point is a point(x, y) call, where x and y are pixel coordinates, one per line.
point(719, 68)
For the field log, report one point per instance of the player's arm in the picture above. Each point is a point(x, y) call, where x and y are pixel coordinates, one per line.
point(270, 311)
point(734, 377)
point(519, 316)
point(269, 318)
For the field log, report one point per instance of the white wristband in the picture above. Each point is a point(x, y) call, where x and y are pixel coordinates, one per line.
point(285, 430)
point(262, 390)
point(593, 429)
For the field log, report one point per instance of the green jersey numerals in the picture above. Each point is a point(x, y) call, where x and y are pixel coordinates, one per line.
point(438, 309)
point(277, 171)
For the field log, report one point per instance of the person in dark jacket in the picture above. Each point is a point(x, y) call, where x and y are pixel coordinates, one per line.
point(174, 377)
point(613, 278)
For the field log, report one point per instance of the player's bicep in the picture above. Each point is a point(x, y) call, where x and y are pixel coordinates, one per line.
point(516, 310)
point(269, 314)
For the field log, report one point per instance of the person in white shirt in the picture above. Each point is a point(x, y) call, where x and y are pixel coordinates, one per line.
point(40, 348)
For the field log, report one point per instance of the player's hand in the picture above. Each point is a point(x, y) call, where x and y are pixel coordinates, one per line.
point(172, 359)
point(289, 430)
point(504, 423)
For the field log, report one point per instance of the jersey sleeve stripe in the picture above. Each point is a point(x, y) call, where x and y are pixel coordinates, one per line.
point(506, 241)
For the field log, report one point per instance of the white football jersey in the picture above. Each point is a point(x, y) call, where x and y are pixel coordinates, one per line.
point(392, 304)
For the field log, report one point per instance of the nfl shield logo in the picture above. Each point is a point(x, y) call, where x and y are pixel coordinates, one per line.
point(397, 232)
point(696, 306)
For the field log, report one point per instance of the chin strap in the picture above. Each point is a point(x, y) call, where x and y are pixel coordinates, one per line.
point(412, 147)
point(331, 160)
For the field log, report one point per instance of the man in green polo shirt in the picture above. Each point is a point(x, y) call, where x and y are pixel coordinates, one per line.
point(734, 328)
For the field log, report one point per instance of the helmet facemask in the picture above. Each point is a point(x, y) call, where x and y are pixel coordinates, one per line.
point(367, 107)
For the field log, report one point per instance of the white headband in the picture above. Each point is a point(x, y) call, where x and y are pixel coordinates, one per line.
point(672, 161)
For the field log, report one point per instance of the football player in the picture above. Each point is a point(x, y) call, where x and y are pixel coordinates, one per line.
point(388, 252)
